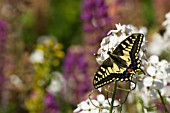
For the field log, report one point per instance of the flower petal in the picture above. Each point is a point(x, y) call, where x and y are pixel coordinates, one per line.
point(161, 75)
point(113, 41)
point(154, 59)
point(100, 98)
point(85, 112)
point(148, 81)
point(84, 105)
point(92, 103)
point(151, 70)
point(77, 110)
point(165, 91)
point(158, 84)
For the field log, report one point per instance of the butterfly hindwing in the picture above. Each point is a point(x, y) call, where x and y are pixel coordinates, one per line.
point(104, 75)
point(122, 62)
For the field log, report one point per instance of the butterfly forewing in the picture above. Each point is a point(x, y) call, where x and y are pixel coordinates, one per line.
point(123, 58)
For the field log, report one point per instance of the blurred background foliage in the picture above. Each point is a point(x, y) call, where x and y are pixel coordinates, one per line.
point(74, 29)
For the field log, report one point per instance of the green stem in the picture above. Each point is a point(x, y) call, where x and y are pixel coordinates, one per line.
point(127, 90)
point(163, 102)
point(113, 96)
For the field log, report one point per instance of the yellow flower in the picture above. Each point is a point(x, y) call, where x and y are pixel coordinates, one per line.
point(59, 54)
point(58, 46)
point(40, 47)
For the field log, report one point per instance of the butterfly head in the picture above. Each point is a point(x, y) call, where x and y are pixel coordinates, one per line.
point(130, 70)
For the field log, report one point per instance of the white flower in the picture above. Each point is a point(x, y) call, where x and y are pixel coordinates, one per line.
point(165, 91)
point(87, 107)
point(37, 56)
point(151, 70)
point(156, 77)
point(56, 83)
point(16, 80)
point(119, 28)
point(144, 93)
point(103, 56)
point(156, 68)
point(161, 42)
point(154, 59)
point(90, 107)
point(156, 73)
point(158, 44)
point(167, 21)
point(153, 83)
point(114, 38)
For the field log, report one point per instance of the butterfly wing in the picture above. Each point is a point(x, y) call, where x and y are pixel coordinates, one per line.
point(128, 50)
point(105, 73)
point(122, 63)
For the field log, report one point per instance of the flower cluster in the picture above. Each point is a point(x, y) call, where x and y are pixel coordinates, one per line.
point(157, 71)
point(56, 83)
point(45, 47)
point(47, 81)
point(3, 36)
point(76, 74)
point(99, 105)
point(51, 105)
point(94, 14)
point(160, 41)
point(3, 30)
point(156, 79)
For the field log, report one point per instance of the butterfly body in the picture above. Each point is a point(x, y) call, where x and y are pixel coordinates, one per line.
point(122, 63)
point(117, 60)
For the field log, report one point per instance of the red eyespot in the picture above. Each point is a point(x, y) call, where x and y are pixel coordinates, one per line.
point(130, 70)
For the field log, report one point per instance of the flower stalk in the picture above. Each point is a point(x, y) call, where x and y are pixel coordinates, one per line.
point(113, 96)
point(163, 102)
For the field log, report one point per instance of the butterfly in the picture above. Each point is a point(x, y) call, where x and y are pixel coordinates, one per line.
point(122, 63)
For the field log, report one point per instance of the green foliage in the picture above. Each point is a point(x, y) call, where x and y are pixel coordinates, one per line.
point(64, 21)
point(29, 33)
point(148, 12)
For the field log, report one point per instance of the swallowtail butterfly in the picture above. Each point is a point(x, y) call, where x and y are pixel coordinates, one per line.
point(122, 63)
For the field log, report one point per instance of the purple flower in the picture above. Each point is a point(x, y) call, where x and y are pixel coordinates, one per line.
point(3, 31)
point(87, 15)
point(74, 59)
point(88, 27)
point(3, 36)
point(94, 14)
point(76, 74)
point(51, 106)
point(101, 12)
point(118, 2)
point(160, 106)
